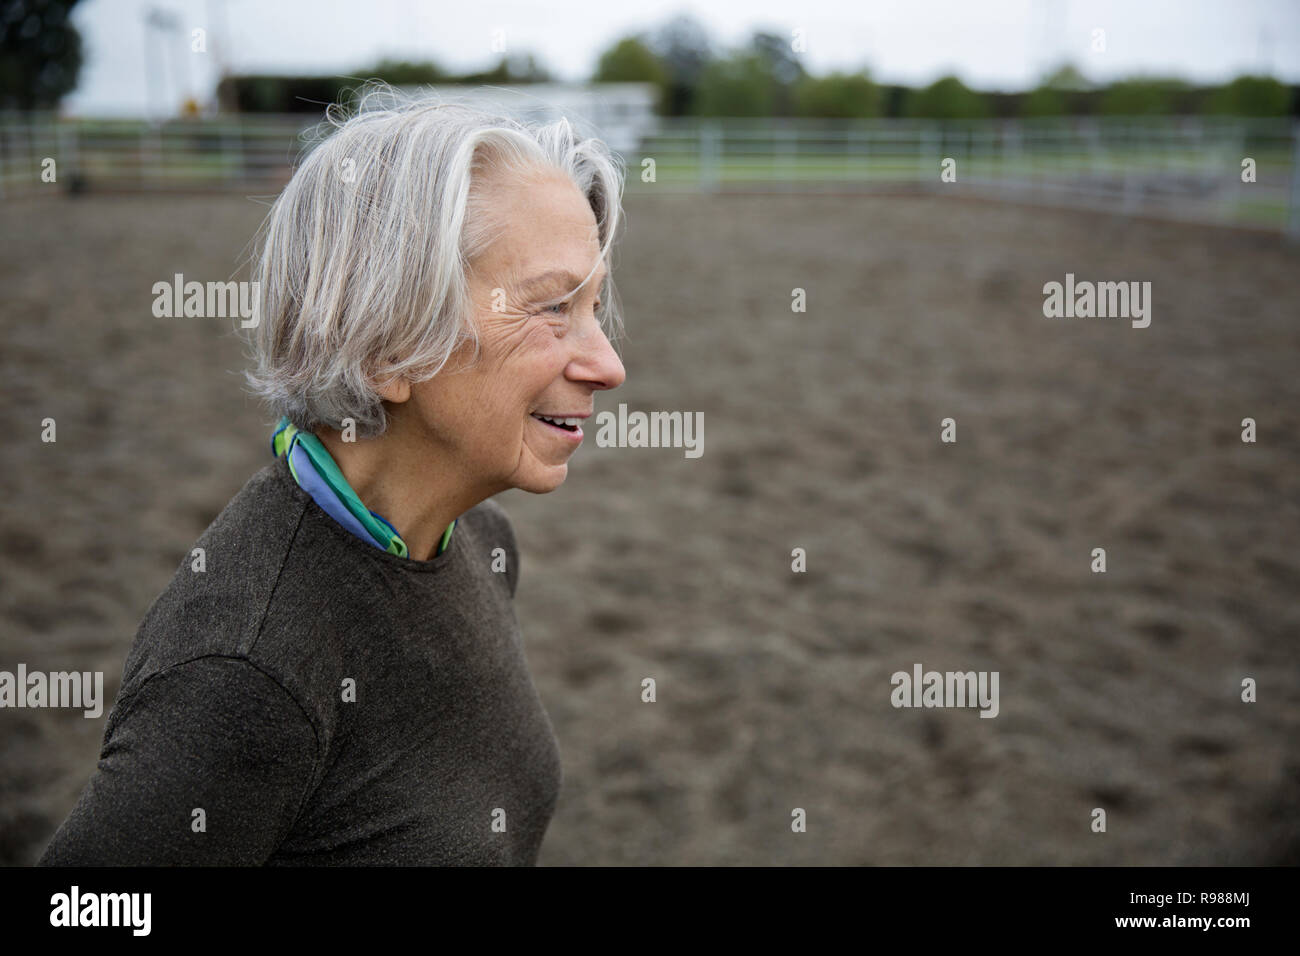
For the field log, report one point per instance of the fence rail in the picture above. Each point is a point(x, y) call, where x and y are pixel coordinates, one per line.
point(240, 152)
point(1182, 167)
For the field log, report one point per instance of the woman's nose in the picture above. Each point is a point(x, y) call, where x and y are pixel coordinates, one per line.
point(597, 364)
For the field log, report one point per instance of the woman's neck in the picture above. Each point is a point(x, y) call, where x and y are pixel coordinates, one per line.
point(404, 480)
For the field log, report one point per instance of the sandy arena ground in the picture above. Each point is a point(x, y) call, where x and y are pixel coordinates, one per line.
point(1118, 690)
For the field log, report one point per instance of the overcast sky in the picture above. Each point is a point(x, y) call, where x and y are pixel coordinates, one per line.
point(991, 44)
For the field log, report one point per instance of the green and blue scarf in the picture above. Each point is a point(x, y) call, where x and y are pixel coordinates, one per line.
point(316, 472)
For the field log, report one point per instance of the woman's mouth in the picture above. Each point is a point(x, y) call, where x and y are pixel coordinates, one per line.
point(570, 427)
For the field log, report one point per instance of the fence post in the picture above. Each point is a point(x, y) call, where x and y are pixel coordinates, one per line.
point(710, 154)
point(1293, 217)
point(69, 157)
point(931, 149)
point(146, 164)
point(1000, 168)
point(784, 164)
point(232, 146)
point(856, 152)
point(33, 153)
point(1228, 167)
point(4, 152)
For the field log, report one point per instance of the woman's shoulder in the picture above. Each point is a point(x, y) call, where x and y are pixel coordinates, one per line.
point(489, 537)
point(259, 521)
point(489, 526)
point(216, 599)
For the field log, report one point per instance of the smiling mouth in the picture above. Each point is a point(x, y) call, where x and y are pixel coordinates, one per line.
point(564, 424)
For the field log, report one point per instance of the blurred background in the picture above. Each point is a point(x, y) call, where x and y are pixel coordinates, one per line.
point(769, 147)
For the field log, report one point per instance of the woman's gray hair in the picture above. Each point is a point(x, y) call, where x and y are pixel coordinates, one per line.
point(362, 268)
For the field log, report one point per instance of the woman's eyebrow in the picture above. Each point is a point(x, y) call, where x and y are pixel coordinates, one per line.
point(549, 279)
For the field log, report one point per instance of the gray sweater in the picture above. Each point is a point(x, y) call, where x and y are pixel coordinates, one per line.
point(311, 700)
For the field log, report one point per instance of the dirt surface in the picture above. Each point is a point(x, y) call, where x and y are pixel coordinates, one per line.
point(1119, 690)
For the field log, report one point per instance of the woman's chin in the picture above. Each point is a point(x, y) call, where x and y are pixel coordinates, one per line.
point(542, 480)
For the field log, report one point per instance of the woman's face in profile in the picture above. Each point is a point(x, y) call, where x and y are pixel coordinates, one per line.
point(543, 352)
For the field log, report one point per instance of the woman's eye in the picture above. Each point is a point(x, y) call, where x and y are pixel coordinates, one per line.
point(562, 308)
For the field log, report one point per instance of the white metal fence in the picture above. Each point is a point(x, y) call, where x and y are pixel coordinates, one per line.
point(42, 152)
point(1179, 167)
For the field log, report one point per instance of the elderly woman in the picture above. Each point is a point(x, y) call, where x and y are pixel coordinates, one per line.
point(337, 677)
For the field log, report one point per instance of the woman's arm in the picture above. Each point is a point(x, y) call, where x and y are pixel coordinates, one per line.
point(208, 763)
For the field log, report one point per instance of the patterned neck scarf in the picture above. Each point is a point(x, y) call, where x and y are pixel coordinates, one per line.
point(316, 472)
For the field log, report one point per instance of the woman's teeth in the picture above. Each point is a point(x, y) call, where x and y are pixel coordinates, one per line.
point(562, 422)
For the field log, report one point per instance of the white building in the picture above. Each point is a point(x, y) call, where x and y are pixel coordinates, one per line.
point(619, 113)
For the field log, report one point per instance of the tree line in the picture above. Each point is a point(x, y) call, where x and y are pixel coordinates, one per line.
point(41, 56)
point(765, 77)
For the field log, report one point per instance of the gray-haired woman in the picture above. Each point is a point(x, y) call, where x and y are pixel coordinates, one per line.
point(341, 679)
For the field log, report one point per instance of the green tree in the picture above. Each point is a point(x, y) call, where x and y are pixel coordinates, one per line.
point(406, 73)
point(946, 98)
point(683, 46)
point(1142, 96)
point(515, 68)
point(1043, 101)
point(739, 85)
point(842, 95)
point(758, 80)
point(1049, 98)
point(783, 68)
point(1066, 77)
point(1252, 96)
point(631, 60)
point(40, 53)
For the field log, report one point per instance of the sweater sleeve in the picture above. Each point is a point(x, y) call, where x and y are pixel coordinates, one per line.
point(215, 735)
